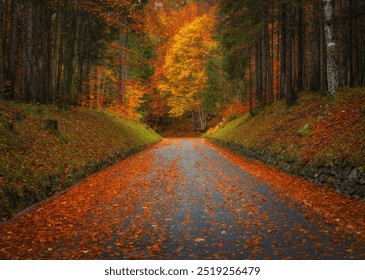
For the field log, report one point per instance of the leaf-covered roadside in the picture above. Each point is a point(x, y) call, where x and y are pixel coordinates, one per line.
point(320, 138)
point(186, 199)
point(39, 160)
point(342, 211)
point(317, 128)
point(60, 219)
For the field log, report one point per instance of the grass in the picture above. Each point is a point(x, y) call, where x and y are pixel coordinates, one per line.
point(316, 129)
point(38, 160)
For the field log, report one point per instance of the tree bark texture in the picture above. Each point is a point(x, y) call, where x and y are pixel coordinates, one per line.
point(331, 47)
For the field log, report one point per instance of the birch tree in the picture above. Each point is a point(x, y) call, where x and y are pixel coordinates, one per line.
point(331, 48)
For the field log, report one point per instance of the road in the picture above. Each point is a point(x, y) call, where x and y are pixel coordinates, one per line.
point(181, 199)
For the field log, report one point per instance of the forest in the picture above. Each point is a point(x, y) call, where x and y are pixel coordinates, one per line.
point(150, 60)
point(182, 129)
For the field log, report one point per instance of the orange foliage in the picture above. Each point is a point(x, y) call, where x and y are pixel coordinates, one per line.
point(234, 110)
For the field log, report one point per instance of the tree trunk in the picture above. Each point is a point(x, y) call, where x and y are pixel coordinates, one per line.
point(289, 90)
point(11, 51)
point(322, 54)
point(74, 60)
point(35, 82)
point(28, 53)
point(300, 30)
point(354, 44)
point(203, 119)
point(283, 39)
point(315, 59)
point(45, 68)
point(81, 74)
point(54, 75)
point(331, 47)
point(193, 117)
point(258, 71)
point(1, 50)
point(251, 94)
point(267, 61)
point(98, 85)
point(59, 85)
point(123, 66)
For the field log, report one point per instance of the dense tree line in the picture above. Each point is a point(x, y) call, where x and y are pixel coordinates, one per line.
point(50, 47)
point(113, 52)
point(292, 45)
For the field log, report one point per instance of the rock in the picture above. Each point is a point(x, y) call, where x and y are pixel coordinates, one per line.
point(353, 175)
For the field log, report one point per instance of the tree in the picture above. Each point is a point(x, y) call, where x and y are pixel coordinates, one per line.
point(185, 68)
point(331, 47)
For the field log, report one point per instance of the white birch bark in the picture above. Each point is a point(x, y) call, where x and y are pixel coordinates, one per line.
point(331, 47)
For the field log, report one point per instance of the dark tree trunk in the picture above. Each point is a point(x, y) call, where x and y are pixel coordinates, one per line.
point(258, 72)
point(300, 31)
point(11, 51)
point(289, 90)
point(123, 66)
point(267, 61)
point(251, 93)
point(56, 55)
point(283, 38)
point(322, 48)
point(316, 41)
point(193, 118)
point(2, 53)
point(28, 54)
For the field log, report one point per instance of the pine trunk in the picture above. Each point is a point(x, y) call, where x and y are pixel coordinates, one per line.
point(11, 51)
point(54, 75)
point(267, 62)
point(315, 58)
point(75, 53)
point(28, 53)
point(283, 39)
point(2, 55)
point(289, 90)
point(258, 72)
point(300, 30)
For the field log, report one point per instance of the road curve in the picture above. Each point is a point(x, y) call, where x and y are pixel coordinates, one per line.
point(181, 199)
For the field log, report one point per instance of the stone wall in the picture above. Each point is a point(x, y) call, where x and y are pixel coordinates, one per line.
point(346, 177)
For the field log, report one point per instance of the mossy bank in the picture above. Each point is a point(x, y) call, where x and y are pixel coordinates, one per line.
point(45, 150)
point(321, 139)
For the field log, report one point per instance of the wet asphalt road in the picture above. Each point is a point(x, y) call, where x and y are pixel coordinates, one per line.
point(203, 206)
point(192, 202)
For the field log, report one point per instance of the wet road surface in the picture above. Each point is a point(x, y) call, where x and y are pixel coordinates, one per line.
point(181, 199)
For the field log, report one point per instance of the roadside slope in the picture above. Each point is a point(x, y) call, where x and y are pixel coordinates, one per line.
point(319, 139)
point(45, 150)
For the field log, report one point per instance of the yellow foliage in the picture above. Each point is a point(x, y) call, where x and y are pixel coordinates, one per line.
point(185, 62)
